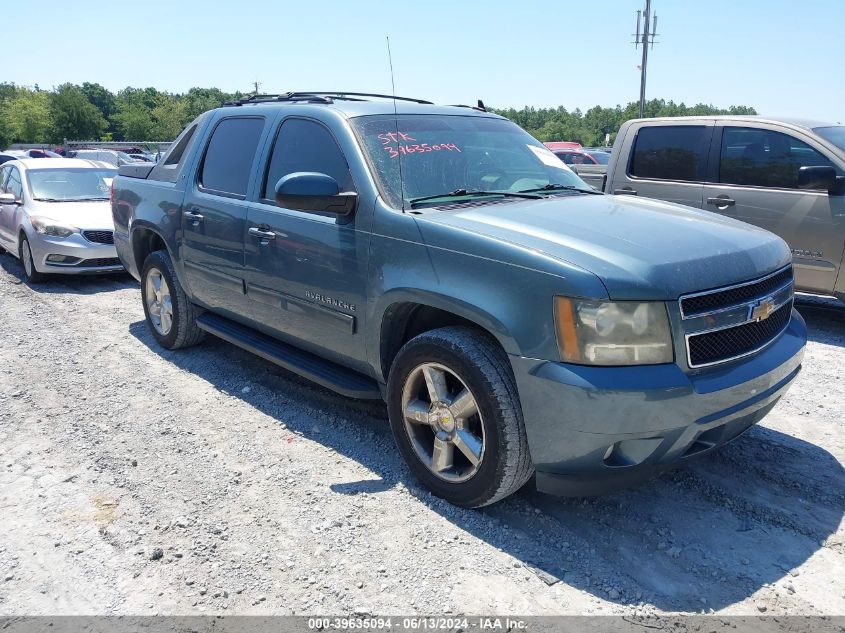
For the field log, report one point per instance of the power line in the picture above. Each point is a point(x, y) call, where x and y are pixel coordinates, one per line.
point(647, 40)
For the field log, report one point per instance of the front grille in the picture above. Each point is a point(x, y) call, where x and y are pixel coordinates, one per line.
point(718, 299)
point(721, 345)
point(99, 261)
point(100, 237)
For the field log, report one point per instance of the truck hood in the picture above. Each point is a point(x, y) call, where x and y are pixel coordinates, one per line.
point(91, 214)
point(639, 248)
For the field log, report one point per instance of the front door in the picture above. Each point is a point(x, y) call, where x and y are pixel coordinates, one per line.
point(214, 215)
point(306, 272)
point(10, 213)
point(6, 212)
point(757, 182)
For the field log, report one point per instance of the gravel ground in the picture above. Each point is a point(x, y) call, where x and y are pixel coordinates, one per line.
point(134, 480)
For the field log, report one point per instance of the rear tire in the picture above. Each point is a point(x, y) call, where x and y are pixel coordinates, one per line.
point(455, 414)
point(171, 316)
point(25, 254)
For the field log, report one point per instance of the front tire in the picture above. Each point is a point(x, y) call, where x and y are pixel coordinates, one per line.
point(25, 254)
point(171, 316)
point(456, 417)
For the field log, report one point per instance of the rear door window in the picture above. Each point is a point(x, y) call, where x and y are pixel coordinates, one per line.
point(671, 152)
point(227, 164)
point(764, 158)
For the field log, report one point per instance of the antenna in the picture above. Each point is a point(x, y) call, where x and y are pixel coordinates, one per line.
point(396, 118)
point(646, 38)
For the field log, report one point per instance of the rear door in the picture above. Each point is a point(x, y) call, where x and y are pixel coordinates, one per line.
point(305, 271)
point(665, 160)
point(755, 179)
point(214, 214)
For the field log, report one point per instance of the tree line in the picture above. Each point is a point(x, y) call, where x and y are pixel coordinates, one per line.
point(92, 112)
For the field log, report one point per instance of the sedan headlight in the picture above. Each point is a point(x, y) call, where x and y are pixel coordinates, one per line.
point(46, 226)
point(613, 332)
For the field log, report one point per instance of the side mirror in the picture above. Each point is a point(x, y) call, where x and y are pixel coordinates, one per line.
point(8, 198)
point(821, 177)
point(312, 191)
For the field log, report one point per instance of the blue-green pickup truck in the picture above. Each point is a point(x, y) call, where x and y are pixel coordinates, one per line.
point(515, 320)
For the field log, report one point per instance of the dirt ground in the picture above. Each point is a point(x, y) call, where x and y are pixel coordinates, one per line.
point(134, 480)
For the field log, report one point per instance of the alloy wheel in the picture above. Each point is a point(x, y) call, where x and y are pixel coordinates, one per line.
point(159, 303)
point(443, 422)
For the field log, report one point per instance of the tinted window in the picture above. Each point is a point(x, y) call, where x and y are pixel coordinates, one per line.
point(228, 158)
point(303, 145)
point(14, 185)
point(602, 158)
point(175, 155)
point(835, 134)
point(671, 153)
point(764, 158)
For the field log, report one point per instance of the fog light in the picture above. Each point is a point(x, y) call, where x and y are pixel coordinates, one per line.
point(62, 259)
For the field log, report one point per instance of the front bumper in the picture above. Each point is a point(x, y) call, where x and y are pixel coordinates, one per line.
point(88, 257)
point(594, 429)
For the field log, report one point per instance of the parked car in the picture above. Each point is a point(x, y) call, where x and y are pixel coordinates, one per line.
point(116, 159)
point(5, 157)
point(441, 258)
point(559, 145)
point(783, 175)
point(576, 157)
point(55, 216)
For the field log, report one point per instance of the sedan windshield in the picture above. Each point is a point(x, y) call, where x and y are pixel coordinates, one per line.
point(70, 184)
point(835, 134)
point(440, 155)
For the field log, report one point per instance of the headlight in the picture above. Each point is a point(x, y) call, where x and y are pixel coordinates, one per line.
point(613, 332)
point(46, 226)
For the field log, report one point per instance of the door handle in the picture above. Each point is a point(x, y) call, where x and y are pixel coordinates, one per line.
point(627, 191)
point(721, 202)
point(261, 234)
point(193, 216)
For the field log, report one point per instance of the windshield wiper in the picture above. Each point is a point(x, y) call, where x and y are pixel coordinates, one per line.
point(459, 193)
point(558, 187)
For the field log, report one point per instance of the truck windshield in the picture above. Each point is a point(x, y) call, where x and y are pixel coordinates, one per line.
point(68, 185)
point(835, 134)
point(440, 154)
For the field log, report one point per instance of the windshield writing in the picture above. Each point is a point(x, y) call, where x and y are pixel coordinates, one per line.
point(442, 153)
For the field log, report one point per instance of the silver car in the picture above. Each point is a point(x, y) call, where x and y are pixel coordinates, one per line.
point(55, 216)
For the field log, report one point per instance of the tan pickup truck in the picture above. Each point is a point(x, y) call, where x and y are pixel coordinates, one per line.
point(787, 176)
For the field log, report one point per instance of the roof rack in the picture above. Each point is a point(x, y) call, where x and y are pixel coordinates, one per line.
point(319, 97)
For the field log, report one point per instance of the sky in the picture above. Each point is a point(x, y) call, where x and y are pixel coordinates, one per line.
point(781, 57)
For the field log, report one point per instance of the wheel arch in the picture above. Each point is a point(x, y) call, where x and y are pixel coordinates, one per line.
point(408, 314)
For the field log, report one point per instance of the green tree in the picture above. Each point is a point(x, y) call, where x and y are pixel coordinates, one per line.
point(28, 116)
point(74, 116)
point(169, 117)
point(100, 97)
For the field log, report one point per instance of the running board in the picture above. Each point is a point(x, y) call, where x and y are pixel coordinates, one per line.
point(326, 373)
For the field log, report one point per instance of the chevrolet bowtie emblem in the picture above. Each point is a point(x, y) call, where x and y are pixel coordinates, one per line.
point(763, 310)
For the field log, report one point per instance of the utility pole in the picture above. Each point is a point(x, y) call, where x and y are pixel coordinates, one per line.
point(647, 40)
point(256, 83)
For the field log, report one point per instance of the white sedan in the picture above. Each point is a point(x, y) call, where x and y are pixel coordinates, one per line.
point(56, 217)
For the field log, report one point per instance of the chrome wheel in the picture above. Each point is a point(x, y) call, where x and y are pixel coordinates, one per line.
point(441, 415)
point(26, 256)
point(159, 303)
